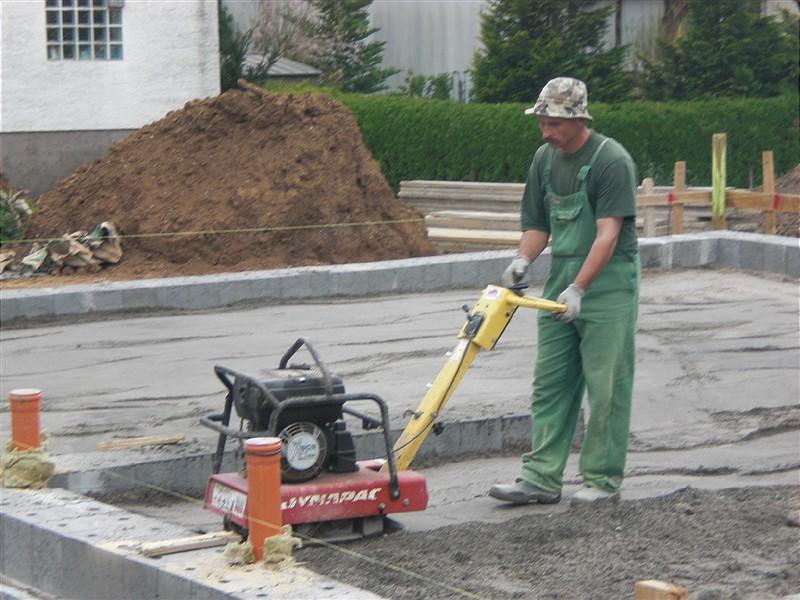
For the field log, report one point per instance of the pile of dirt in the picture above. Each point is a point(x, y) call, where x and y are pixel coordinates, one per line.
point(722, 544)
point(295, 164)
point(788, 183)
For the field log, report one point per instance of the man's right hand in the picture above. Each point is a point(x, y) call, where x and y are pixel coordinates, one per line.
point(515, 271)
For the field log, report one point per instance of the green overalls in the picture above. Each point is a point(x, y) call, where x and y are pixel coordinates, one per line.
point(595, 351)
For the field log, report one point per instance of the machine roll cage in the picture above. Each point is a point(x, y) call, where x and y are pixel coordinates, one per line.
point(220, 422)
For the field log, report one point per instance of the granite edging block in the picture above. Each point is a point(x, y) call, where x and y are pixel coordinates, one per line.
point(755, 252)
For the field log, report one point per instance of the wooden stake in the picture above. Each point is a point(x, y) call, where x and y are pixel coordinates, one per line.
point(718, 151)
point(678, 185)
point(768, 185)
point(659, 590)
point(195, 542)
point(250, 87)
point(648, 186)
point(138, 442)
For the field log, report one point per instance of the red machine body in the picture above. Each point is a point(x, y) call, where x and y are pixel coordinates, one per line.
point(329, 497)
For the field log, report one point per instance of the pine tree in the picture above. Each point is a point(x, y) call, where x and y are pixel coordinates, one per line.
point(233, 47)
point(528, 42)
point(344, 56)
point(729, 49)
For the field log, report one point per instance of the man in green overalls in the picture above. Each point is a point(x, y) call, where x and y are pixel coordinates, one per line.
point(581, 196)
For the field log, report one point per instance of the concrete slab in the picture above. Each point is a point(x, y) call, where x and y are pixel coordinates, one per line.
point(458, 490)
point(715, 400)
point(709, 342)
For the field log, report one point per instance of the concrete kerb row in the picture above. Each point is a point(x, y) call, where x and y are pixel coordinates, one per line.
point(188, 474)
point(746, 251)
point(71, 546)
point(45, 544)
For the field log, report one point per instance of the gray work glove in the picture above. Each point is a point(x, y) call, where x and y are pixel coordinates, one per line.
point(572, 298)
point(515, 271)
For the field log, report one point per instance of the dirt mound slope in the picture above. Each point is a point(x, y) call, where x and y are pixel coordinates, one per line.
point(237, 162)
point(789, 183)
point(719, 544)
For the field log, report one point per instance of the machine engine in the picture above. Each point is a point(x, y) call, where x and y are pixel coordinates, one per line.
point(314, 433)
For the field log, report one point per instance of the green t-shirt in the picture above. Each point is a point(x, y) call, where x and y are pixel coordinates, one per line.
point(611, 187)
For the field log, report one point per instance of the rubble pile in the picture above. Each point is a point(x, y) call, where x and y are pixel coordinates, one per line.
point(74, 252)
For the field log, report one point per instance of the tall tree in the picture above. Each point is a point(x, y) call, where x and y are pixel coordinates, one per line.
point(344, 54)
point(729, 49)
point(278, 32)
point(528, 42)
point(233, 47)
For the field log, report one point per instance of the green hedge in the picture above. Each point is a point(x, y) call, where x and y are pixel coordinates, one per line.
point(431, 139)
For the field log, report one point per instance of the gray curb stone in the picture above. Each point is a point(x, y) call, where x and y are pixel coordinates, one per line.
point(746, 251)
point(75, 547)
point(102, 475)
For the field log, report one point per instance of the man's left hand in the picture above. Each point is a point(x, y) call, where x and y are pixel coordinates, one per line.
point(572, 298)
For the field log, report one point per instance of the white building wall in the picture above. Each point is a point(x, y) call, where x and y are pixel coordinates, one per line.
point(170, 56)
point(639, 27)
point(427, 37)
point(2, 20)
point(776, 7)
point(245, 12)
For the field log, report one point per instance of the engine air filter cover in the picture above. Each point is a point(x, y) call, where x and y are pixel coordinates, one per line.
point(305, 451)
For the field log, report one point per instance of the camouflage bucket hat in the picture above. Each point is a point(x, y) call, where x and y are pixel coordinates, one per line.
point(562, 97)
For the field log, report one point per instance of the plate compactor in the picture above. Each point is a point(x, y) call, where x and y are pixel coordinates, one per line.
point(325, 492)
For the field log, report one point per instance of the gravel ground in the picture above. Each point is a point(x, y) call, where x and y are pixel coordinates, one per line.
point(730, 544)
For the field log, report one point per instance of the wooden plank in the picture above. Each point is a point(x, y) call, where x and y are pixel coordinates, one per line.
point(644, 200)
point(718, 153)
point(653, 589)
point(474, 235)
point(516, 188)
point(789, 203)
point(745, 199)
point(678, 186)
point(459, 194)
point(138, 442)
point(687, 197)
point(466, 240)
point(649, 229)
point(195, 542)
point(250, 87)
point(768, 168)
point(473, 219)
point(693, 197)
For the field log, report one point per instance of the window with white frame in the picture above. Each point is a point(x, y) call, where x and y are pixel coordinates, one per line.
point(84, 29)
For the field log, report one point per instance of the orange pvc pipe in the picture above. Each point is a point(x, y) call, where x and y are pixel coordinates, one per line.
point(25, 405)
point(263, 491)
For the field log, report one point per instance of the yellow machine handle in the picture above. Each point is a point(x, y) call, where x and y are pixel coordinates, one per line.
point(538, 303)
point(485, 323)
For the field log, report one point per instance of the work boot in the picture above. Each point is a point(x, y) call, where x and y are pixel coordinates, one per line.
point(522, 492)
point(594, 495)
